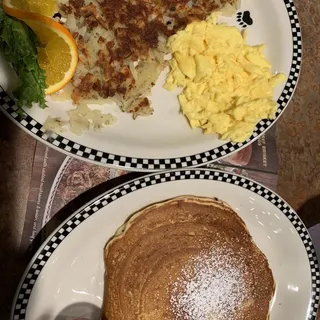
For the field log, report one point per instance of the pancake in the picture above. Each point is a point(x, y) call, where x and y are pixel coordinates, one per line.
point(188, 258)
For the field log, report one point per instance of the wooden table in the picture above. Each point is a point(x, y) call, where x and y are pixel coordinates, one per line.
point(298, 130)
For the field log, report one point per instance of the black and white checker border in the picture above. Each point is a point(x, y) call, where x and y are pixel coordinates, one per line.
point(43, 255)
point(144, 164)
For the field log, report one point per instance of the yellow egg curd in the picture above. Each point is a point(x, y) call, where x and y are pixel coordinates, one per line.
point(228, 84)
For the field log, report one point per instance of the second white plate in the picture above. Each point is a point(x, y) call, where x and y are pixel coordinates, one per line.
point(65, 279)
point(165, 140)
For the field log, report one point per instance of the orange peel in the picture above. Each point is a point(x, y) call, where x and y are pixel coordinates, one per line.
point(58, 54)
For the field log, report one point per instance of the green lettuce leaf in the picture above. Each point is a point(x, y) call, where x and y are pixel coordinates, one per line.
point(18, 43)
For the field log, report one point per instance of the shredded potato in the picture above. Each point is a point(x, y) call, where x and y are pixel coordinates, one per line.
point(106, 70)
point(80, 119)
point(54, 125)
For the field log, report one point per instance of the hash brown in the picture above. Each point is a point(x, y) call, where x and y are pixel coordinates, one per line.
point(121, 44)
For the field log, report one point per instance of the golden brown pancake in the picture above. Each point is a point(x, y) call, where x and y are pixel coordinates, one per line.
point(187, 258)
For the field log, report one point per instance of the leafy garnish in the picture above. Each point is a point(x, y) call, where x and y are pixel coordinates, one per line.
point(18, 43)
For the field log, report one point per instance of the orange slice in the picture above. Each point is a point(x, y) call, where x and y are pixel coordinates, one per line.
point(58, 54)
point(43, 7)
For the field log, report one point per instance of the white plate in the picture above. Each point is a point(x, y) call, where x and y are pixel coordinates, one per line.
point(165, 140)
point(65, 279)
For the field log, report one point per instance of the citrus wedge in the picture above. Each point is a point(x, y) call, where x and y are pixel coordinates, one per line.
point(59, 56)
point(57, 53)
point(42, 7)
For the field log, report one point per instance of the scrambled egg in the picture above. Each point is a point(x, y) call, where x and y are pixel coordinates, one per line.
point(228, 85)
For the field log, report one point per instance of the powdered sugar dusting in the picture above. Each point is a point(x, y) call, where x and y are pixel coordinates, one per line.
point(212, 287)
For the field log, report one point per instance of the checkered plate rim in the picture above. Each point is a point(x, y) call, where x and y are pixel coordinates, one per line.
point(43, 255)
point(143, 164)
